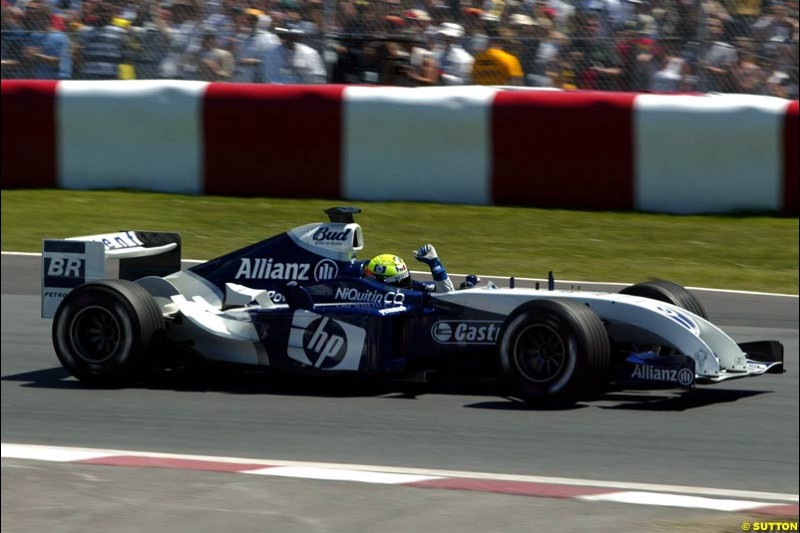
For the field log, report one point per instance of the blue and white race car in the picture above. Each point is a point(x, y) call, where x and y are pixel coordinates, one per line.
point(299, 301)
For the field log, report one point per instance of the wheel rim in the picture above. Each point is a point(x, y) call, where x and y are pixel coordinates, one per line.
point(540, 353)
point(95, 334)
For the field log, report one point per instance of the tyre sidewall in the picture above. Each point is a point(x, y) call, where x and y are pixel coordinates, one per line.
point(565, 381)
point(124, 362)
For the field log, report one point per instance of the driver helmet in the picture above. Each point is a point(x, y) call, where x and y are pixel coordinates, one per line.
point(390, 269)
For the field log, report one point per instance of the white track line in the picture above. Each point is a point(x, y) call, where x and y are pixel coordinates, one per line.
point(674, 500)
point(24, 254)
point(490, 276)
point(339, 474)
point(57, 453)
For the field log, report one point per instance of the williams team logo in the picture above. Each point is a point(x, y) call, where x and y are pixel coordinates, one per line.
point(680, 318)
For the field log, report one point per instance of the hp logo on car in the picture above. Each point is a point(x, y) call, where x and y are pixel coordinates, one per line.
point(325, 343)
point(325, 270)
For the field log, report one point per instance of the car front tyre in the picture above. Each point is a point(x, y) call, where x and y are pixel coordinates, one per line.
point(669, 292)
point(554, 349)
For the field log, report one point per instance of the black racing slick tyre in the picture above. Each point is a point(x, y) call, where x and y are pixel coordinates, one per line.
point(671, 293)
point(104, 332)
point(556, 349)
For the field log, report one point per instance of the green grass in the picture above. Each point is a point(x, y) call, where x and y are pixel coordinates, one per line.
point(732, 252)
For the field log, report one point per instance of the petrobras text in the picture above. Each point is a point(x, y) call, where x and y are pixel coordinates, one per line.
point(262, 268)
point(466, 332)
point(369, 296)
point(681, 376)
point(276, 297)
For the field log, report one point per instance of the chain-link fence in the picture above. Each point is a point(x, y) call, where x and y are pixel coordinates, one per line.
point(744, 46)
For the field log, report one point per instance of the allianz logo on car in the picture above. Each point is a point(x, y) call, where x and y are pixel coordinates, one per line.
point(466, 331)
point(267, 268)
point(682, 376)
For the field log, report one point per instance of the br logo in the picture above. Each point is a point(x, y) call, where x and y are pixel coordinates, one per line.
point(324, 342)
point(69, 267)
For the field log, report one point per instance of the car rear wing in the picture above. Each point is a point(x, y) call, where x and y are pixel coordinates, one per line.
point(68, 263)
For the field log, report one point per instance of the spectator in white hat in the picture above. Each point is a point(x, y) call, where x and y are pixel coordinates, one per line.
point(455, 63)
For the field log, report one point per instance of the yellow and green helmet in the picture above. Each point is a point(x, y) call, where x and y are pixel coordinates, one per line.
point(388, 268)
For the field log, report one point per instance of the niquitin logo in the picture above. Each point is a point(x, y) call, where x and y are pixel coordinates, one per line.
point(324, 343)
point(369, 296)
point(683, 377)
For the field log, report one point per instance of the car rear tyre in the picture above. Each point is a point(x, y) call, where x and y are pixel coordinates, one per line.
point(671, 293)
point(554, 349)
point(104, 332)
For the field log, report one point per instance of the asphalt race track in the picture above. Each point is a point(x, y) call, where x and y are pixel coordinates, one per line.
point(737, 435)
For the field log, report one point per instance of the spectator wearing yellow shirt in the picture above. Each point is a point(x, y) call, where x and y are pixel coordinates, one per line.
point(495, 66)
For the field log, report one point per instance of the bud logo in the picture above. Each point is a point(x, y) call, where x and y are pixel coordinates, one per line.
point(325, 343)
point(326, 269)
point(466, 332)
point(328, 235)
point(68, 267)
point(683, 376)
point(261, 268)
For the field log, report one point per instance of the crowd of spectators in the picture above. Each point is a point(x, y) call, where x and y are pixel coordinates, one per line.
point(745, 46)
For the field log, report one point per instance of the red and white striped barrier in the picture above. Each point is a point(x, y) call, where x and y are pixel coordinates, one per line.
point(474, 145)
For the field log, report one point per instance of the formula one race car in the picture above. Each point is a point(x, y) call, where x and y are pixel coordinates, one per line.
point(299, 301)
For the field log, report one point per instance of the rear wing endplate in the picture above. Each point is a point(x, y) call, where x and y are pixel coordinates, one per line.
point(68, 263)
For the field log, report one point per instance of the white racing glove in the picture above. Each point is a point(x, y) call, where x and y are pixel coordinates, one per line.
point(427, 254)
